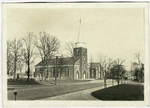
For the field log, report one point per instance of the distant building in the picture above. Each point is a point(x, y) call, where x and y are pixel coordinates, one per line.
point(95, 71)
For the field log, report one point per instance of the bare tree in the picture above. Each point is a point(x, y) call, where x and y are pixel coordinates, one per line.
point(20, 65)
point(119, 64)
point(47, 47)
point(103, 62)
point(103, 66)
point(16, 53)
point(9, 58)
point(138, 73)
point(28, 50)
point(137, 55)
point(69, 46)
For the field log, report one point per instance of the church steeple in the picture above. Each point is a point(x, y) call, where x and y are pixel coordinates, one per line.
point(80, 42)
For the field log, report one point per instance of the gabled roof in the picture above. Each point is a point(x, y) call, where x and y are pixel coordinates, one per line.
point(94, 65)
point(60, 61)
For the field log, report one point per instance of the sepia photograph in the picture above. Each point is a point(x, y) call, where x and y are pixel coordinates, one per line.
point(75, 54)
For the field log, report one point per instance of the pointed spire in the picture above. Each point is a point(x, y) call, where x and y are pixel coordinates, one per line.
point(79, 34)
point(80, 42)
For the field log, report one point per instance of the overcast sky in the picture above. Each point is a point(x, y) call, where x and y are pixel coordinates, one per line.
point(117, 32)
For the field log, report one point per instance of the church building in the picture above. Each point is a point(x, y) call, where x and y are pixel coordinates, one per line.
point(75, 67)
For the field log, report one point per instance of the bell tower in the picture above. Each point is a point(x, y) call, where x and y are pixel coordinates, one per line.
point(80, 53)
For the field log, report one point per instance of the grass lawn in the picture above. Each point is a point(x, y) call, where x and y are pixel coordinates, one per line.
point(62, 81)
point(51, 81)
point(121, 92)
point(20, 84)
point(44, 92)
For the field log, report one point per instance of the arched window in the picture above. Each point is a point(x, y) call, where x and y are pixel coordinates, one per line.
point(77, 75)
point(84, 60)
point(77, 52)
point(67, 72)
point(92, 73)
point(84, 74)
point(59, 74)
point(84, 52)
point(52, 73)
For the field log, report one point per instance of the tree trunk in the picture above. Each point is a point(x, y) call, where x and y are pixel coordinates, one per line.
point(15, 70)
point(7, 71)
point(105, 82)
point(28, 70)
point(43, 71)
point(42, 76)
point(118, 76)
point(118, 81)
point(100, 74)
point(47, 73)
point(131, 75)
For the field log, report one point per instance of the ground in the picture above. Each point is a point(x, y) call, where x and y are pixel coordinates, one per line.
point(78, 95)
point(76, 90)
point(33, 92)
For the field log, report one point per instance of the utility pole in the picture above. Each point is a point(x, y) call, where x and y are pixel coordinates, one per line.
point(56, 70)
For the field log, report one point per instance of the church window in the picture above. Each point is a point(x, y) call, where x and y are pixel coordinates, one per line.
point(77, 52)
point(84, 60)
point(59, 73)
point(77, 75)
point(52, 72)
point(92, 72)
point(84, 74)
point(84, 52)
point(84, 66)
point(67, 72)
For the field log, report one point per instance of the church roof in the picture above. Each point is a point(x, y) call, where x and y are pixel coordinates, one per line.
point(60, 61)
point(94, 65)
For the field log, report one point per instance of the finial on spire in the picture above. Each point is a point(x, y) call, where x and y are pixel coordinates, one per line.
point(80, 20)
